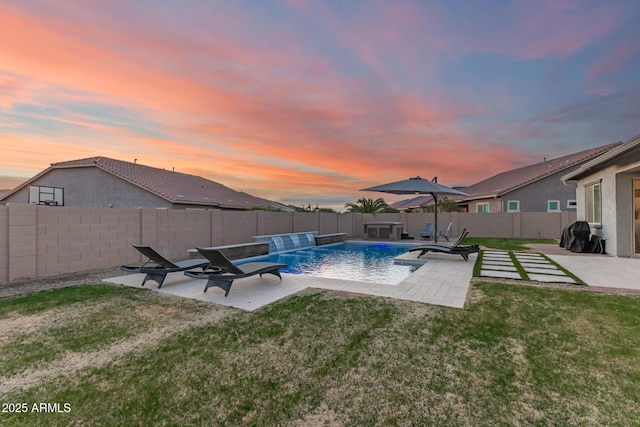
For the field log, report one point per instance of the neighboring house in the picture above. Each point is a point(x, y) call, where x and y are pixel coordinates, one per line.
point(105, 182)
point(534, 188)
point(607, 191)
point(419, 203)
point(414, 203)
point(3, 192)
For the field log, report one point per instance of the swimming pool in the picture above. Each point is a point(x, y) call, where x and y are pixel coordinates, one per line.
point(360, 261)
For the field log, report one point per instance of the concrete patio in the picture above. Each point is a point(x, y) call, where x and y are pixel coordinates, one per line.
point(439, 279)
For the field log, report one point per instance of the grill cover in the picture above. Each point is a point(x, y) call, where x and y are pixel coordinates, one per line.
point(575, 237)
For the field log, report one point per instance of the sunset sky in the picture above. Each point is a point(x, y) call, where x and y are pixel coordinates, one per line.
point(309, 101)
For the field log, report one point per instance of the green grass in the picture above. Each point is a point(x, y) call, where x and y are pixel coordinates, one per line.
point(505, 244)
point(515, 356)
point(47, 325)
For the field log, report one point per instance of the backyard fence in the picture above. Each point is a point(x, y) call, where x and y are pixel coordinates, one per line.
point(38, 241)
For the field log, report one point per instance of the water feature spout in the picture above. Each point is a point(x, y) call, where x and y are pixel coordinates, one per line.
point(288, 242)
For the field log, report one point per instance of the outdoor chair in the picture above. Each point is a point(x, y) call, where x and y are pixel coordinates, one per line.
point(427, 233)
point(456, 249)
point(221, 272)
point(446, 233)
point(157, 267)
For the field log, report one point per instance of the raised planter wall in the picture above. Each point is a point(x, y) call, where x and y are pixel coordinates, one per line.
point(327, 239)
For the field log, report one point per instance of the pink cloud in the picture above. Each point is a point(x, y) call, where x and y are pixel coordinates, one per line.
point(265, 112)
point(611, 63)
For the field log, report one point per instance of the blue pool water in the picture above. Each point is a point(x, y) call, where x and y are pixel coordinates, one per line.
point(364, 262)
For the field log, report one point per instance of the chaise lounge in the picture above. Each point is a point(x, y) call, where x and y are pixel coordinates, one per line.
point(221, 272)
point(157, 267)
point(456, 249)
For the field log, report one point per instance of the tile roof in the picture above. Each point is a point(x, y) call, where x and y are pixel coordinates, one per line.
point(586, 168)
point(505, 182)
point(173, 186)
point(414, 202)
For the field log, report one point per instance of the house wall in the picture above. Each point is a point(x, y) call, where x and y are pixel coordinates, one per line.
point(92, 187)
point(534, 197)
point(495, 205)
point(617, 225)
point(40, 241)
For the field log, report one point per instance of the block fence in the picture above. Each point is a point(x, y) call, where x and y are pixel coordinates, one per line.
point(38, 241)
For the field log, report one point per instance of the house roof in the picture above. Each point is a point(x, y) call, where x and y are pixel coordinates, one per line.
point(173, 186)
point(413, 203)
point(511, 180)
point(584, 169)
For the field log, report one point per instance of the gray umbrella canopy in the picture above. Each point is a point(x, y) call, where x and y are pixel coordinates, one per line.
point(418, 185)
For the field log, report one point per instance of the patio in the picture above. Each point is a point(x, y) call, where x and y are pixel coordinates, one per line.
point(440, 280)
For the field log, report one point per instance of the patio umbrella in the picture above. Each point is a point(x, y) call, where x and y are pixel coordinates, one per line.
point(418, 185)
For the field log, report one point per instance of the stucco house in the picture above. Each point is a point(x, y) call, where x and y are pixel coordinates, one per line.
point(105, 182)
point(533, 188)
point(607, 191)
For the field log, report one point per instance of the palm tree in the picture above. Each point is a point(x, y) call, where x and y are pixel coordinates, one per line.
point(366, 205)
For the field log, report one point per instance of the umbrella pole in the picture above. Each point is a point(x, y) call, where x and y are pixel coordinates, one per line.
point(435, 238)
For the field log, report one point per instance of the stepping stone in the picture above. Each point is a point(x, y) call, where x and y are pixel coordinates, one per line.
point(497, 258)
point(496, 262)
point(500, 274)
point(544, 271)
point(534, 262)
point(538, 265)
point(500, 267)
point(551, 279)
point(533, 258)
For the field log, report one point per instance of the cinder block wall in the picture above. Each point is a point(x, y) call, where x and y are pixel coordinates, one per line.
point(4, 243)
point(40, 241)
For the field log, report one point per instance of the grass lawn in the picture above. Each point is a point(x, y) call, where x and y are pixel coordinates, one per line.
point(505, 244)
point(516, 355)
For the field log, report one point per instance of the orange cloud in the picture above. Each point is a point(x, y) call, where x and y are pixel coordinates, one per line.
point(269, 114)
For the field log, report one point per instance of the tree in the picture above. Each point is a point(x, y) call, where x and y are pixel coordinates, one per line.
point(444, 205)
point(316, 209)
point(367, 205)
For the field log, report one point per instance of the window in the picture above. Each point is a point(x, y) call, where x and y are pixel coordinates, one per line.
point(482, 208)
point(553, 205)
point(593, 203)
point(513, 206)
point(46, 195)
point(572, 204)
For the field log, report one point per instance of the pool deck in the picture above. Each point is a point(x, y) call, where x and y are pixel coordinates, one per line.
point(442, 280)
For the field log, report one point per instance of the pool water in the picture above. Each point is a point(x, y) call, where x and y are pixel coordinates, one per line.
point(363, 262)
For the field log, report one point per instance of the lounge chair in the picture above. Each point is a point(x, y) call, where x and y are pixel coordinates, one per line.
point(456, 249)
point(221, 272)
point(446, 233)
point(427, 233)
point(157, 267)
